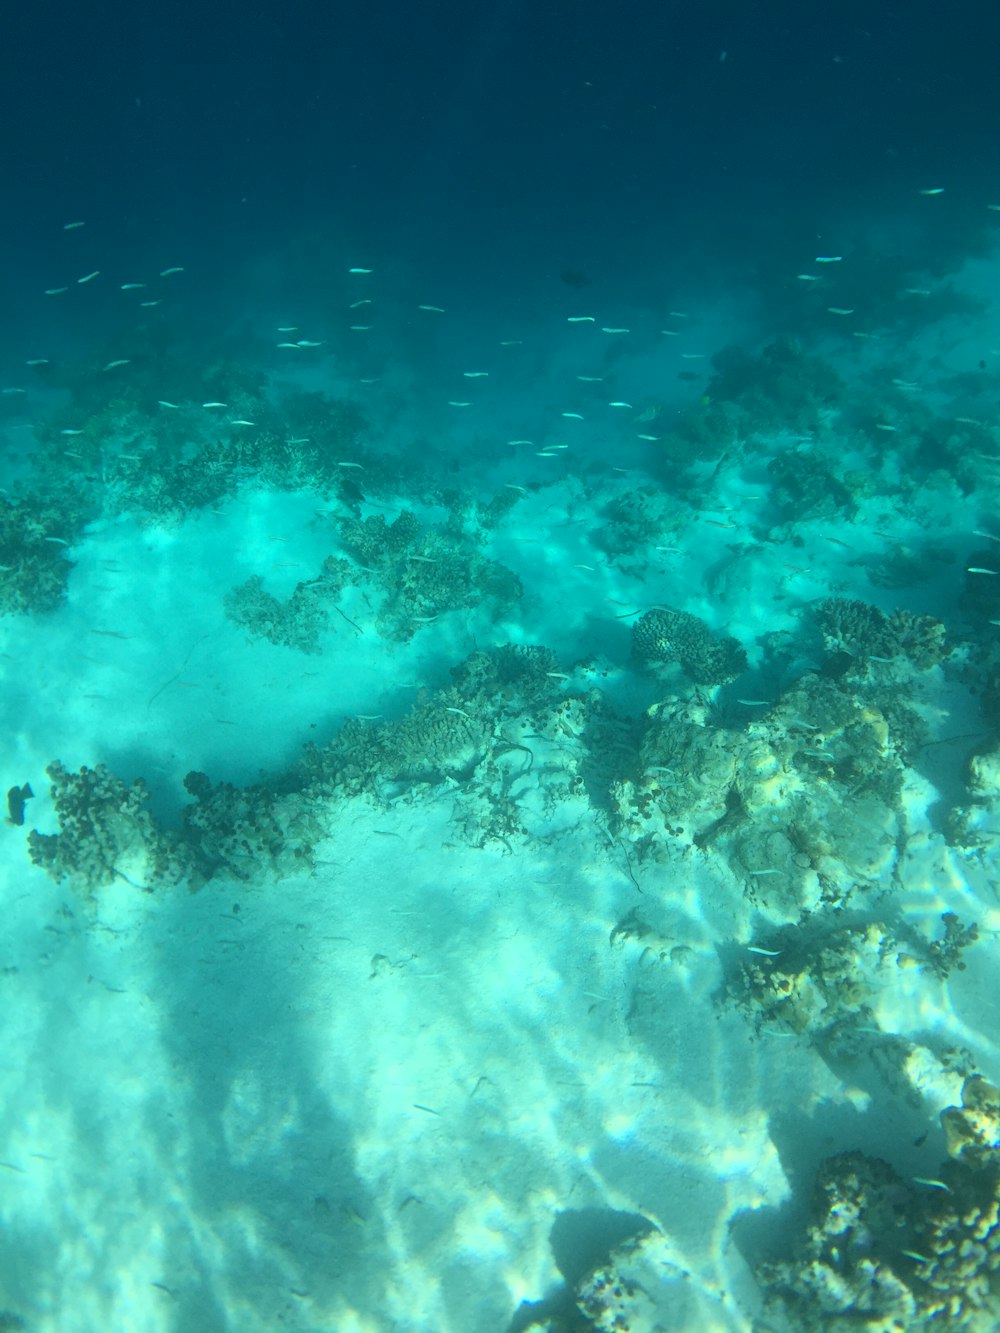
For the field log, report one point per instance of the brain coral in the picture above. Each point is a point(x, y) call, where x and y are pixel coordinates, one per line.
point(664, 635)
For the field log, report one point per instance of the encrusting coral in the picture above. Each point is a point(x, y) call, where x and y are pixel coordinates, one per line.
point(882, 1252)
point(105, 830)
point(866, 632)
point(802, 799)
point(424, 572)
point(34, 568)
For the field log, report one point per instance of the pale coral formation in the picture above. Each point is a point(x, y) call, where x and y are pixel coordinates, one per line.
point(881, 1252)
point(972, 1130)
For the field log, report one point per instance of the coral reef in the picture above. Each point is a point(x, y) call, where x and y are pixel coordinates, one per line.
point(972, 1130)
point(782, 388)
point(822, 976)
point(456, 735)
point(424, 573)
point(238, 830)
point(636, 521)
point(802, 800)
point(865, 632)
point(974, 825)
point(635, 1289)
point(638, 1287)
point(664, 635)
point(804, 486)
point(299, 620)
point(813, 979)
point(881, 1252)
point(850, 1270)
point(687, 773)
point(105, 831)
point(34, 568)
point(160, 461)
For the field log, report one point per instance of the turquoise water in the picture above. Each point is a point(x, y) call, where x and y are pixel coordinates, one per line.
point(499, 596)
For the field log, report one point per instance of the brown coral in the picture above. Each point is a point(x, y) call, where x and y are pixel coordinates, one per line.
point(664, 635)
point(866, 632)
